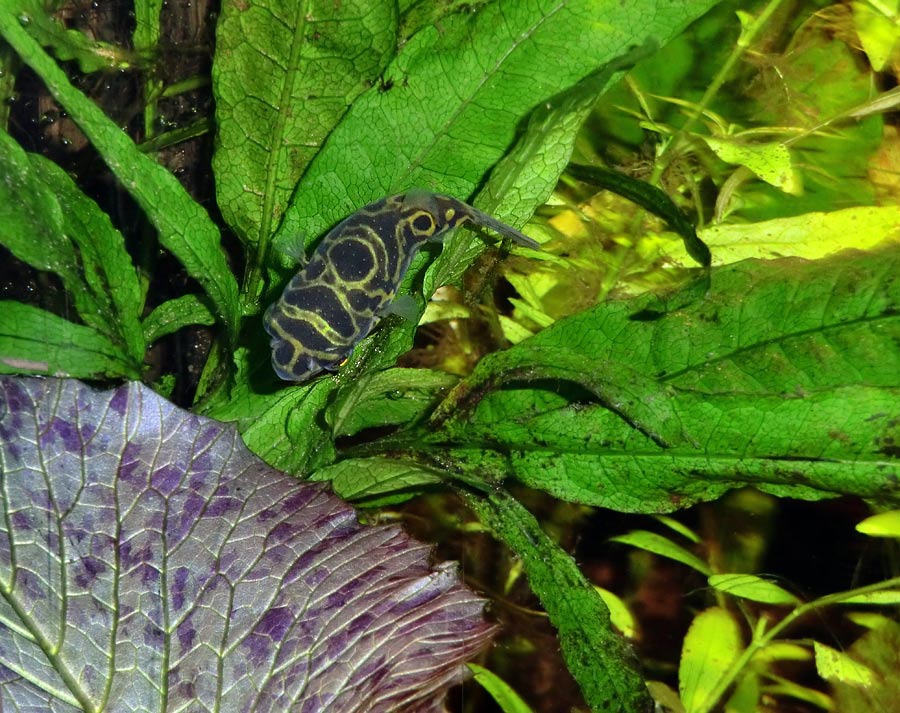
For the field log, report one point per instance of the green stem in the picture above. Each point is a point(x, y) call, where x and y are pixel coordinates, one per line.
point(747, 36)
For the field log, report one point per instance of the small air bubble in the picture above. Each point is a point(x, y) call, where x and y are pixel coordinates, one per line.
point(48, 118)
point(24, 19)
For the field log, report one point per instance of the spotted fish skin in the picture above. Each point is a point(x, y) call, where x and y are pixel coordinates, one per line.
point(354, 274)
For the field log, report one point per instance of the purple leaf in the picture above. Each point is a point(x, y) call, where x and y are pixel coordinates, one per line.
point(148, 561)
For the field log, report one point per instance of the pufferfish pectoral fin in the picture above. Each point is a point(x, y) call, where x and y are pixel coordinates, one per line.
point(404, 306)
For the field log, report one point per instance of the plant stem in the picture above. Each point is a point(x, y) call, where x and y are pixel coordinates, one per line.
point(746, 38)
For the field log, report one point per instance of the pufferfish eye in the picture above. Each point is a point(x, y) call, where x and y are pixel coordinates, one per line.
point(422, 223)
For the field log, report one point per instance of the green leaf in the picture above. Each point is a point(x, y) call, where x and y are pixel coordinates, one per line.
point(619, 614)
point(876, 26)
point(528, 174)
point(50, 224)
point(184, 227)
point(782, 376)
point(875, 654)
point(783, 687)
point(659, 545)
point(284, 427)
point(456, 95)
point(834, 665)
point(34, 341)
point(777, 651)
point(749, 586)
point(502, 693)
point(284, 74)
point(811, 235)
point(678, 527)
point(369, 478)
point(771, 161)
point(884, 524)
point(597, 657)
point(651, 198)
point(888, 597)
point(174, 314)
point(451, 105)
point(712, 643)
point(67, 45)
point(386, 398)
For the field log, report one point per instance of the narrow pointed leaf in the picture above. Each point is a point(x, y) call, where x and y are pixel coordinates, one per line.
point(50, 224)
point(502, 693)
point(664, 547)
point(748, 586)
point(184, 227)
point(34, 341)
point(884, 524)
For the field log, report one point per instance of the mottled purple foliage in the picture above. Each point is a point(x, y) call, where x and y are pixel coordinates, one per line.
point(163, 565)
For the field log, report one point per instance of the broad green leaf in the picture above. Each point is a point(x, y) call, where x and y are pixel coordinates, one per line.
point(34, 341)
point(712, 643)
point(451, 106)
point(284, 74)
point(749, 586)
point(877, 28)
point(597, 657)
point(884, 524)
point(282, 426)
point(184, 227)
point(152, 563)
point(782, 375)
point(386, 398)
point(528, 174)
point(663, 546)
point(811, 235)
point(502, 693)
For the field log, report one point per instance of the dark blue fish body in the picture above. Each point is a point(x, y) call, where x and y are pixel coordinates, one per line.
point(354, 274)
